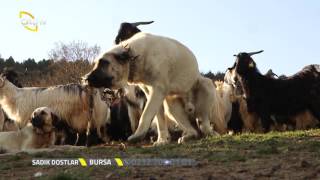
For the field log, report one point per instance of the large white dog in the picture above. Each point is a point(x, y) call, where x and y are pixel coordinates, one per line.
point(166, 71)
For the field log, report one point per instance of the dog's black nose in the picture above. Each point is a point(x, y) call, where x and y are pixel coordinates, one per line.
point(37, 122)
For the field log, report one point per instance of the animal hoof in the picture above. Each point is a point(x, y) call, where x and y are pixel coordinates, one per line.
point(184, 139)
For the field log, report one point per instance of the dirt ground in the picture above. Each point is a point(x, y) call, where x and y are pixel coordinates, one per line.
point(288, 155)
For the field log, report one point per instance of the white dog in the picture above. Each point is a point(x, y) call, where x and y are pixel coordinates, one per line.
point(165, 70)
point(39, 134)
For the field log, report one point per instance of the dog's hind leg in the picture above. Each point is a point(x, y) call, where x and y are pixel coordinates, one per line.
point(175, 111)
point(162, 128)
point(205, 101)
point(154, 102)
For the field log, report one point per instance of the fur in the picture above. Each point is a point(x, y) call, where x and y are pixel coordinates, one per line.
point(39, 134)
point(278, 97)
point(72, 102)
point(154, 63)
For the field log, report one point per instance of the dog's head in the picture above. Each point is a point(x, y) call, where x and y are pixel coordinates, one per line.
point(43, 119)
point(111, 70)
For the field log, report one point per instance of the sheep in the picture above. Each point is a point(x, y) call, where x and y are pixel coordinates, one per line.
point(81, 107)
point(279, 97)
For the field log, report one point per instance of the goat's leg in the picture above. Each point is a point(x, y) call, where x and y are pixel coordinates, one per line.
point(93, 137)
point(154, 102)
point(71, 138)
point(265, 122)
point(315, 110)
point(82, 137)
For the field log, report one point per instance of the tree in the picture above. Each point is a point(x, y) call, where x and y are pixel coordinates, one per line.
point(10, 62)
point(72, 51)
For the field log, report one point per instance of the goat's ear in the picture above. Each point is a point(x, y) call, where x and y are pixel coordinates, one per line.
point(251, 64)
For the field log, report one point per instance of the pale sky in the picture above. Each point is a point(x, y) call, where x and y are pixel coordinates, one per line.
point(288, 30)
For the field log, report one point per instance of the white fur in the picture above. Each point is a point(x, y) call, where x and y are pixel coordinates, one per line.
point(72, 106)
point(223, 108)
point(163, 67)
point(24, 139)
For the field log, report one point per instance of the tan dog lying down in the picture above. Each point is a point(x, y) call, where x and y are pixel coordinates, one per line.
point(39, 134)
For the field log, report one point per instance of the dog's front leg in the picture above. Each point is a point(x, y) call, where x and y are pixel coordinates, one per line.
point(154, 102)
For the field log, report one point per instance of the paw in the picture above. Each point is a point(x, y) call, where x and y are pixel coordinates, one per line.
point(135, 138)
point(161, 142)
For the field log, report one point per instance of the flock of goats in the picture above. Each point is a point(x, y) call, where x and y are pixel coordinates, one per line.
point(148, 84)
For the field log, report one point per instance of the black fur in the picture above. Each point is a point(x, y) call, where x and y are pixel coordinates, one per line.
point(82, 139)
point(127, 30)
point(235, 123)
point(61, 125)
point(93, 138)
point(280, 97)
point(119, 129)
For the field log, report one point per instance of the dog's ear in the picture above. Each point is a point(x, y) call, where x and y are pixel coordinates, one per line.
point(123, 56)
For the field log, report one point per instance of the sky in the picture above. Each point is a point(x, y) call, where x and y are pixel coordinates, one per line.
point(287, 30)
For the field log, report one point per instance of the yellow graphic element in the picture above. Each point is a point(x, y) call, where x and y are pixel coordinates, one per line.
point(119, 162)
point(83, 162)
point(34, 29)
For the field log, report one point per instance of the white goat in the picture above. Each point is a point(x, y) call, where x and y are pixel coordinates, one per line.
point(74, 103)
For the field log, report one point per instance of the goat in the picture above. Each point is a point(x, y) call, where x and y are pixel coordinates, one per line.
point(223, 106)
point(81, 107)
point(127, 30)
point(280, 97)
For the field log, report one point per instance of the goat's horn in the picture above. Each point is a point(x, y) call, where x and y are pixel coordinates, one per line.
point(141, 23)
point(253, 53)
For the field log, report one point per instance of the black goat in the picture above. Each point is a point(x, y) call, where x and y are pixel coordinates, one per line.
point(279, 97)
point(127, 30)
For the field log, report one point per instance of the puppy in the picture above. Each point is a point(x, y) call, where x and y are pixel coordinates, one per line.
point(39, 134)
point(45, 120)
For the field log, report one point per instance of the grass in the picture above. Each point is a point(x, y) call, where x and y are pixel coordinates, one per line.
point(67, 176)
point(225, 150)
